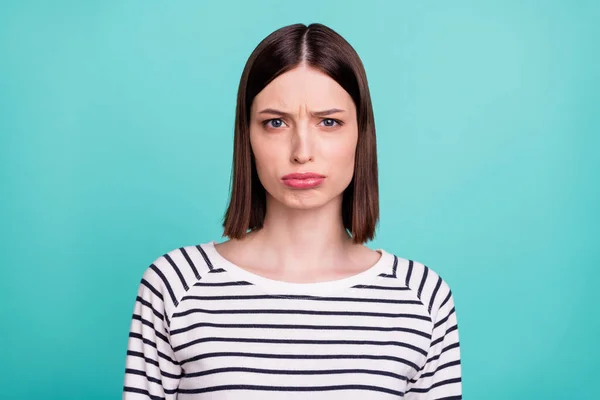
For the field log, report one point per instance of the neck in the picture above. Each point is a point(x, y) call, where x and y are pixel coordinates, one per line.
point(301, 240)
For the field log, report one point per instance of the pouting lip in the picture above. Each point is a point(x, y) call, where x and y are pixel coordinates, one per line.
point(303, 175)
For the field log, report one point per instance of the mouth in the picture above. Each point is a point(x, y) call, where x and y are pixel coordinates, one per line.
point(306, 180)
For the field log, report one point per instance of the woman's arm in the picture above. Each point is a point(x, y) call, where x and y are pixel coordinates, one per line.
point(151, 368)
point(440, 377)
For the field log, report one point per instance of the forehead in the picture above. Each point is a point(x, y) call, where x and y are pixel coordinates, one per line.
point(304, 86)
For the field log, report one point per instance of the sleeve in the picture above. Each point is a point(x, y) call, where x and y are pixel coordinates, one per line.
point(151, 370)
point(440, 377)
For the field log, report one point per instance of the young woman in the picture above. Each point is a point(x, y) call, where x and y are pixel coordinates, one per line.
point(294, 305)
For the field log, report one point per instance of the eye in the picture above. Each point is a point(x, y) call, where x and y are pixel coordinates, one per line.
point(330, 122)
point(275, 123)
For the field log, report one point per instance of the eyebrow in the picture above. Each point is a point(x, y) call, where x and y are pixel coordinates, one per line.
point(314, 113)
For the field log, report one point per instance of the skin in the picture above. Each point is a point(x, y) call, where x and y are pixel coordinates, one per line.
point(303, 238)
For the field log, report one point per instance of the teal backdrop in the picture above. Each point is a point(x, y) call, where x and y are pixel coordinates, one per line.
point(116, 123)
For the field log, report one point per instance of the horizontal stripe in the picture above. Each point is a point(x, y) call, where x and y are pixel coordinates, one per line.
point(435, 385)
point(142, 391)
point(294, 372)
point(222, 284)
point(162, 373)
point(142, 373)
point(300, 312)
point(441, 367)
point(299, 327)
point(300, 341)
point(378, 287)
point(298, 297)
point(302, 357)
point(151, 361)
point(292, 389)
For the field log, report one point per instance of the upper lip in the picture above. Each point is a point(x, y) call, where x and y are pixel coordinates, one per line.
point(303, 175)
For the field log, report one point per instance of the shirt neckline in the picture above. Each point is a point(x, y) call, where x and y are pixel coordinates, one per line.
point(279, 287)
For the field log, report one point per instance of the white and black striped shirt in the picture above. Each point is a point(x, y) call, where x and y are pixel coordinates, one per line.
point(204, 328)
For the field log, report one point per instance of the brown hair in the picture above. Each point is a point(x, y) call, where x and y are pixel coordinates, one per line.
point(324, 49)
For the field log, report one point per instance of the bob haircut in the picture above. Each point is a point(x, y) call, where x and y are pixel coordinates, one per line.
point(324, 49)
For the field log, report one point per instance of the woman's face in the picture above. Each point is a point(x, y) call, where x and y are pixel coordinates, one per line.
point(304, 122)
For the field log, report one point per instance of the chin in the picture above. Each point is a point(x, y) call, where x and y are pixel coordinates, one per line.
point(305, 200)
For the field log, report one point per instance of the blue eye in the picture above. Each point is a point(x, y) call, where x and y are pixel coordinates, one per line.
point(276, 122)
point(329, 122)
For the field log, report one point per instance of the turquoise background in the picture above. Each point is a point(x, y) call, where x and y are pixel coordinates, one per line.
point(116, 122)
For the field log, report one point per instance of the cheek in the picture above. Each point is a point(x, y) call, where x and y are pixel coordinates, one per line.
point(264, 157)
point(342, 154)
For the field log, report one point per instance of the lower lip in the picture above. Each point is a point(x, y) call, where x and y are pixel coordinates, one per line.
point(308, 183)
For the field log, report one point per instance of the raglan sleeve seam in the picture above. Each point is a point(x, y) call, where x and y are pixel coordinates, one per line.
point(440, 375)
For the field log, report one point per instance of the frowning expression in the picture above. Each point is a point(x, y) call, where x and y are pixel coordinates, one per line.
point(303, 133)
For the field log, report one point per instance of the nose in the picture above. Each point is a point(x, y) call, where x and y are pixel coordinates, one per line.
point(302, 147)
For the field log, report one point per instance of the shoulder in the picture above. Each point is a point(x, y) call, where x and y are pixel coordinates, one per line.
point(172, 273)
point(429, 286)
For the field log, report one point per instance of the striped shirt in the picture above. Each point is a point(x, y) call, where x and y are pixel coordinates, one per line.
point(204, 328)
